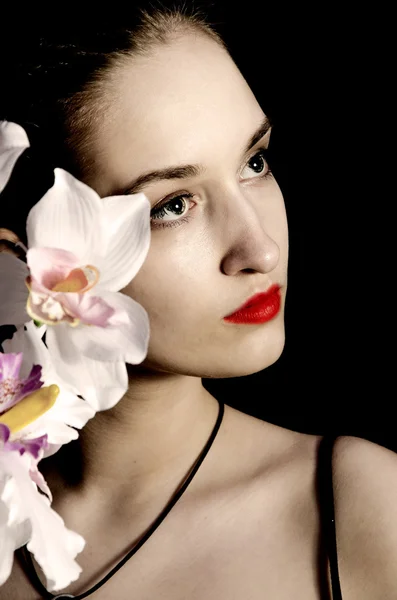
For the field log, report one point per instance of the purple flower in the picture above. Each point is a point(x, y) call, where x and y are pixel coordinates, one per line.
point(12, 389)
point(32, 446)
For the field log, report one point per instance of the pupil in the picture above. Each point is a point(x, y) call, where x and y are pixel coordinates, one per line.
point(257, 163)
point(177, 205)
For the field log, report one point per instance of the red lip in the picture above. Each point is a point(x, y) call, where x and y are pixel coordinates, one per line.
point(260, 308)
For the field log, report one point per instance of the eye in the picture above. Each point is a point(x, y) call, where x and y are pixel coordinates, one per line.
point(257, 166)
point(173, 209)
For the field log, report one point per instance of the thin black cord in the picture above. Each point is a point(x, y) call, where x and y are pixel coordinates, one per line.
point(46, 595)
point(327, 510)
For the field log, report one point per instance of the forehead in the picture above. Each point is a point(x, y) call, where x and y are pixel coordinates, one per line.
point(182, 103)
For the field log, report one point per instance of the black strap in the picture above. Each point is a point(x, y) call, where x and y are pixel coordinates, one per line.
point(27, 557)
point(327, 510)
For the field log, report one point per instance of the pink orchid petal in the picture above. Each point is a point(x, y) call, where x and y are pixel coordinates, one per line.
point(13, 290)
point(125, 339)
point(33, 446)
point(31, 383)
point(14, 390)
point(47, 309)
point(10, 385)
point(13, 141)
point(127, 224)
point(68, 216)
point(48, 266)
point(91, 310)
point(4, 434)
point(101, 384)
point(10, 365)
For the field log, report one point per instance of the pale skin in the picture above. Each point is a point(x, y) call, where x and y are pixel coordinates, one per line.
point(247, 528)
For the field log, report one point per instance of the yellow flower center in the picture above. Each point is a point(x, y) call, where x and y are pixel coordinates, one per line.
point(47, 308)
point(30, 408)
point(78, 280)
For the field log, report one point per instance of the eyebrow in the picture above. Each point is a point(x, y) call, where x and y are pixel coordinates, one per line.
point(184, 171)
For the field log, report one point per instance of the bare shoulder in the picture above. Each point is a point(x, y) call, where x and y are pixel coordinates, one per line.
point(365, 489)
point(269, 446)
point(279, 507)
point(278, 463)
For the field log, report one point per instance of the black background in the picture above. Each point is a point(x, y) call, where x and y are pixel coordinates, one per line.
point(324, 76)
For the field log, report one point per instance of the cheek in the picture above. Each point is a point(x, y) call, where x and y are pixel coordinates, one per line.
point(169, 283)
point(274, 218)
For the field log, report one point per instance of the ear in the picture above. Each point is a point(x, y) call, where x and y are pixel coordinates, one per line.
point(9, 242)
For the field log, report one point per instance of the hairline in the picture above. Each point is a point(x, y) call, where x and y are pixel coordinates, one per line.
point(85, 112)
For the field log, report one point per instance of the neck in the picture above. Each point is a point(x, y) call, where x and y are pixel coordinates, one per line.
point(152, 436)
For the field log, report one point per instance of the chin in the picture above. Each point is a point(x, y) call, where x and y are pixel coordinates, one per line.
point(248, 359)
point(255, 364)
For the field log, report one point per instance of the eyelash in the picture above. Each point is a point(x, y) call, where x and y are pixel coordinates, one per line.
point(177, 222)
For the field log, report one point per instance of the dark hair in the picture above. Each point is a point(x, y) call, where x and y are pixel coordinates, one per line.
point(55, 85)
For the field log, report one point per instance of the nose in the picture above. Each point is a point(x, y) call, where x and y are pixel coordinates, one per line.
point(250, 247)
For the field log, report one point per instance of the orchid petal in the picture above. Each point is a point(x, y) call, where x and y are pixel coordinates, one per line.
point(4, 433)
point(14, 390)
point(60, 433)
point(28, 340)
point(34, 446)
point(91, 310)
point(101, 384)
point(18, 388)
point(30, 408)
point(68, 217)
point(11, 538)
point(13, 290)
point(31, 383)
point(125, 339)
point(53, 546)
point(10, 365)
point(10, 385)
point(68, 411)
point(58, 423)
point(49, 265)
point(13, 141)
point(39, 480)
point(7, 547)
point(127, 223)
point(52, 449)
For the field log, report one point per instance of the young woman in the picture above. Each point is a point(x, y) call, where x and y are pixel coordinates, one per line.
point(162, 108)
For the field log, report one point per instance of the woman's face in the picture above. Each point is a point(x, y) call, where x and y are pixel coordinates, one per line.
point(219, 229)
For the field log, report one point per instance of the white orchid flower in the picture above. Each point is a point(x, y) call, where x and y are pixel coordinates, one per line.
point(81, 251)
point(25, 513)
point(69, 411)
point(13, 141)
point(27, 517)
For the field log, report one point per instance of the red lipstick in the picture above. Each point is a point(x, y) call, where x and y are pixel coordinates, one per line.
point(260, 308)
